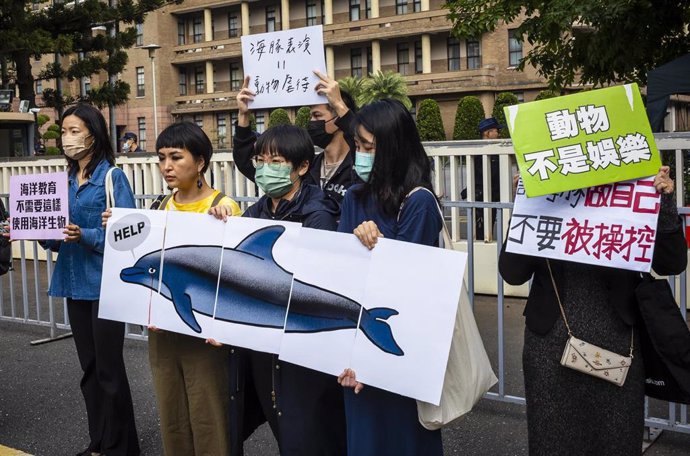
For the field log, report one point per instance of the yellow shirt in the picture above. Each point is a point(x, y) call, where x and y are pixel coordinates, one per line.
point(202, 206)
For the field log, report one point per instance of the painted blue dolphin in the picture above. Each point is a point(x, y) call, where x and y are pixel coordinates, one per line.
point(253, 290)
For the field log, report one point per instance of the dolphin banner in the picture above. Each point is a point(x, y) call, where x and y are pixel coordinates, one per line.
point(316, 298)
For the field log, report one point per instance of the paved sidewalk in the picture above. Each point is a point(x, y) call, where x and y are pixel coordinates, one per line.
point(42, 412)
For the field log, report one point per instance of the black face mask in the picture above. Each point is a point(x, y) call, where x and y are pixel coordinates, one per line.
point(317, 133)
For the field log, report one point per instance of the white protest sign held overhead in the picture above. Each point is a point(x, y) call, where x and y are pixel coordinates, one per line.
point(281, 67)
point(610, 225)
point(252, 283)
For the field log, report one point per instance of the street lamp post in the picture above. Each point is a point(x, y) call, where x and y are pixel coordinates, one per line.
point(152, 55)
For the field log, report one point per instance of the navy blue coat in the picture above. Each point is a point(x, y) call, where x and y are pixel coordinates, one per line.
point(303, 407)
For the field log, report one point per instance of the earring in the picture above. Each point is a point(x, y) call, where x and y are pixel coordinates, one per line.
point(198, 182)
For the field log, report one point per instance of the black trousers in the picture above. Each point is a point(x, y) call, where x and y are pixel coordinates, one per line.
point(104, 383)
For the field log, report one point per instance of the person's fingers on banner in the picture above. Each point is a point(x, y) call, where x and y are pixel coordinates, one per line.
point(105, 216)
point(348, 379)
point(72, 233)
point(213, 342)
point(663, 182)
point(244, 96)
point(330, 88)
point(368, 234)
point(221, 212)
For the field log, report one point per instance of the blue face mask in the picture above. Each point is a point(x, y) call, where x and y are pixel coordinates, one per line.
point(363, 163)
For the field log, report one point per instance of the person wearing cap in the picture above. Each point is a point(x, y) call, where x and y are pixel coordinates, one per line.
point(130, 143)
point(488, 129)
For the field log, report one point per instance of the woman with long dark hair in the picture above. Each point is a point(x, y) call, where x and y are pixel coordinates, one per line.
point(391, 160)
point(77, 277)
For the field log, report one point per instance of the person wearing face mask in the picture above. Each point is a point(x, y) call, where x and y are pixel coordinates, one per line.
point(304, 410)
point(130, 144)
point(385, 206)
point(77, 277)
point(329, 128)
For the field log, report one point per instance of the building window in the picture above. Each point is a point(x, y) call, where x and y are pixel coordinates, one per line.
point(370, 63)
point(39, 86)
point(403, 58)
point(222, 130)
point(354, 10)
point(416, 5)
point(141, 128)
point(270, 19)
point(514, 48)
point(233, 122)
point(400, 6)
point(311, 12)
point(474, 54)
point(323, 12)
point(183, 82)
point(87, 84)
point(140, 82)
point(199, 82)
point(181, 33)
point(235, 76)
point(140, 33)
point(233, 26)
point(453, 54)
point(356, 62)
point(260, 124)
point(199, 120)
point(520, 96)
point(198, 30)
point(367, 8)
point(418, 58)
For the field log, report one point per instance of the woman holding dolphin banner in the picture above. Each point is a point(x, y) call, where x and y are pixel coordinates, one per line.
point(391, 160)
point(190, 377)
point(77, 277)
point(303, 407)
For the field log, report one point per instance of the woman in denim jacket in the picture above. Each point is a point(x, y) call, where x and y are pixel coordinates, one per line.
point(77, 277)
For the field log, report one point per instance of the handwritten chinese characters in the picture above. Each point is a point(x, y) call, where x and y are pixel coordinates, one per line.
point(38, 206)
point(281, 66)
point(609, 225)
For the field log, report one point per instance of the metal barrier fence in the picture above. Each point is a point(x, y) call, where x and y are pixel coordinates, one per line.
point(23, 296)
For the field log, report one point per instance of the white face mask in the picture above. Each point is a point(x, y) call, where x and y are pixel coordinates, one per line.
point(126, 146)
point(75, 146)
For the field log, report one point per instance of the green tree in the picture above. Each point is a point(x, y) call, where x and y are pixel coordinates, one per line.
point(385, 85)
point(64, 29)
point(590, 41)
point(469, 113)
point(544, 94)
point(278, 117)
point(502, 100)
point(354, 86)
point(429, 121)
point(302, 117)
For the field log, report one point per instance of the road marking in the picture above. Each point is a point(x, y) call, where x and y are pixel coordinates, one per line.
point(7, 451)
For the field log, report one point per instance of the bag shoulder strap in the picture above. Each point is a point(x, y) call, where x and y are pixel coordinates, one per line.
point(447, 240)
point(565, 320)
point(109, 188)
point(217, 199)
point(161, 202)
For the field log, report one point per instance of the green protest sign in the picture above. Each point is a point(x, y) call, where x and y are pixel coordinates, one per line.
point(582, 140)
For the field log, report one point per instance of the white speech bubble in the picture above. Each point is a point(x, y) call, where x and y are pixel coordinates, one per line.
point(129, 232)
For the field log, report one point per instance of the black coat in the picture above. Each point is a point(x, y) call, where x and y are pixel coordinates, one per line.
point(335, 188)
point(670, 257)
point(307, 413)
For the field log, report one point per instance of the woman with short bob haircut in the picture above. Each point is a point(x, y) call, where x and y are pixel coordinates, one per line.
point(190, 376)
point(392, 161)
point(77, 277)
point(303, 407)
